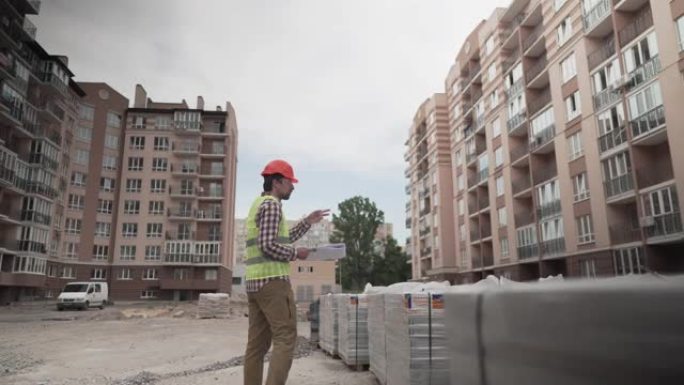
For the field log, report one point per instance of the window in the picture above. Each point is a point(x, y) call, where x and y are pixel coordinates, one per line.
point(493, 99)
point(661, 202)
point(542, 122)
point(645, 101)
point(68, 272)
point(579, 185)
point(610, 121)
point(160, 164)
point(498, 157)
point(572, 106)
point(135, 164)
point(503, 218)
point(103, 229)
point(575, 144)
point(629, 261)
point(504, 246)
point(86, 112)
point(488, 47)
point(461, 182)
point(552, 229)
point(82, 157)
point(148, 294)
point(138, 122)
point(641, 52)
point(154, 230)
point(527, 236)
point(113, 120)
point(491, 71)
point(605, 77)
point(131, 207)
point(71, 250)
point(585, 229)
point(616, 166)
point(161, 143)
point(158, 186)
point(76, 202)
point(84, 133)
point(463, 233)
point(112, 141)
point(516, 106)
point(133, 185)
point(127, 253)
point(129, 230)
point(514, 76)
point(98, 274)
point(568, 68)
point(107, 184)
point(163, 122)
point(78, 179)
point(105, 206)
point(210, 275)
point(496, 128)
point(72, 226)
point(136, 142)
point(156, 208)
point(461, 207)
point(549, 193)
point(152, 253)
point(109, 162)
point(564, 31)
point(680, 32)
point(588, 268)
point(458, 159)
point(499, 186)
point(557, 4)
point(100, 252)
point(124, 274)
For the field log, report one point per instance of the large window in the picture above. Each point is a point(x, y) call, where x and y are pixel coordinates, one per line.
point(568, 68)
point(645, 100)
point(103, 229)
point(161, 143)
point(152, 253)
point(564, 30)
point(107, 184)
point(135, 164)
point(579, 185)
point(113, 120)
point(585, 229)
point(100, 252)
point(127, 253)
point(131, 207)
point(606, 76)
point(541, 122)
point(641, 53)
point(575, 146)
point(76, 202)
point(136, 142)
point(160, 164)
point(629, 261)
point(109, 162)
point(129, 230)
point(133, 185)
point(105, 206)
point(154, 230)
point(72, 226)
point(112, 141)
point(82, 157)
point(572, 106)
point(158, 186)
point(86, 112)
point(78, 179)
point(680, 32)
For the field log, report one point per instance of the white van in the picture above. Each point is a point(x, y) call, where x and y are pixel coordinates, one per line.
point(82, 295)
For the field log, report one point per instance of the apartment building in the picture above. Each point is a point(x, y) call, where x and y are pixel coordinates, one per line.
point(38, 112)
point(429, 211)
point(175, 233)
point(564, 116)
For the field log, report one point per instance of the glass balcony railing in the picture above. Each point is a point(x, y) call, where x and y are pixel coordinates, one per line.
point(648, 122)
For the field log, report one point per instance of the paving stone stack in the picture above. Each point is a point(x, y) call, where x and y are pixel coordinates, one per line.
point(213, 305)
point(353, 328)
point(376, 335)
point(328, 327)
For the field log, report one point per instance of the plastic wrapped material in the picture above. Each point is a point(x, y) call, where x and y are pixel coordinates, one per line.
point(416, 338)
point(213, 305)
point(353, 328)
point(376, 336)
point(328, 324)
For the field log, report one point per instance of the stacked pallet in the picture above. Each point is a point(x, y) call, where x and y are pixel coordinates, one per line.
point(213, 305)
point(353, 328)
point(328, 326)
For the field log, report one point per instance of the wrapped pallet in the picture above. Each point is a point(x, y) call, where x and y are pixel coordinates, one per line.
point(353, 328)
point(376, 334)
point(623, 331)
point(416, 337)
point(213, 305)
point(328, 324)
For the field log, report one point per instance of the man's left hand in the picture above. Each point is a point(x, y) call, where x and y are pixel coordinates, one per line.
point(317, 216)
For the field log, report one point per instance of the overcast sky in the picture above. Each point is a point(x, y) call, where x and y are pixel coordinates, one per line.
point(331, 86)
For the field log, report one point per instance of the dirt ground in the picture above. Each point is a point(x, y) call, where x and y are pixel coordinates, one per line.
point(140, 344)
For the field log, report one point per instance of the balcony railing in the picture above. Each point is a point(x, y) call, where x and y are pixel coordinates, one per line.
point(543, 174)
point(543, 137)
point(622, 233)
point(180, 236)
point(528, 251)
point(663, 225)
point(520, 151)
point(539, 101)
point(602, 54)
point(208, 214)
point(553, 246)
point(521, 184)
point(612, 139)
point(596, 15)
point(619, 185)
point(640, 24)
point(648, 122)
point(549, 209)
point(180, 213)
point(516, 121)
point(515, 89)
point(536, 69)
point(533, 37)
point(645, 72)
point(53, 80)
point(43, 160)
point(606, 98)
point(425, 251)
point(29, 28)
point(481, 176)
point(36, 217)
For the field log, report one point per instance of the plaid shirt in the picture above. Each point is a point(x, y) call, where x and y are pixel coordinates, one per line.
point(267, 220)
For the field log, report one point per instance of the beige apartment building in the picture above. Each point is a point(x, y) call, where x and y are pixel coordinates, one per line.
point(38, 111)
point(564, 119)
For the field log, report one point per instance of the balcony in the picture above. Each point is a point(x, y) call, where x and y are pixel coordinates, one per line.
point(644, 73)
point(211, 194)
point(180, 235)
point(184, 170)
point(36, 217)
point(220, 151)
point(539, 101)
point(186, 127)
point(642, 22)
point(549, 209)
point(540, 175)
point(41, 189)
point(426, 251)
point(519, 152)
point(598, 17)
point(483, 202)
point(553, 246)
point(188, 284)
point(516, 122)
point(521, 184)
point(606, 98)
point(185, 148)
point(515, 89)
point(612, 139)
point(666, 225)
point(209, 215)
point(618, 186)
point(218, 128)
point(50, 79)
point(177, 192)
point(648, 122)
point(424, 231)
point(539, 142)
point(32, 246)
point(182, 214)
point(629, 5)
point(602, 54)
point(624, 233)
point(43, 160)
point(479, 177)
point(29, 29)
point(212, 172)
point(528, 251)
point(536, 69)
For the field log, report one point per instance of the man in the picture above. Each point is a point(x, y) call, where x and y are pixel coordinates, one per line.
point(272, 311)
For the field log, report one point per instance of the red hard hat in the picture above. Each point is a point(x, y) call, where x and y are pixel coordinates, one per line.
point(279, 167)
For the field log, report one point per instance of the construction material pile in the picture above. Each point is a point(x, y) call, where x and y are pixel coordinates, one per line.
point(353, 328)
point(328, 327)
point(213, 305)
point(376, 334)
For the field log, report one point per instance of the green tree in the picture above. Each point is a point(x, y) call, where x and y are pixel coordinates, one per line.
point(391, 266)
point(355, 226)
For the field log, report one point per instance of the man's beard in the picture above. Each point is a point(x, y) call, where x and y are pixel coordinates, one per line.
point(287, 196)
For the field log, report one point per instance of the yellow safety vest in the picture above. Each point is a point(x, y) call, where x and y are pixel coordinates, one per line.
point(260, 266)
